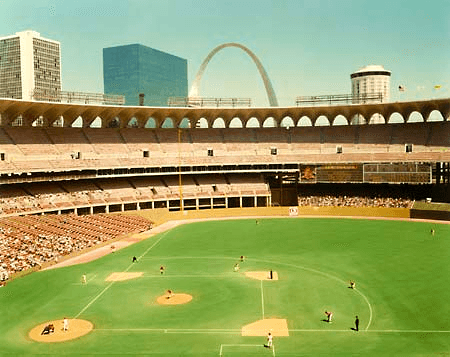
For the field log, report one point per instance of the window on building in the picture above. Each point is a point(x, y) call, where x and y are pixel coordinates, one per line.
point(338, 149)
point(273, 151)
point(408, 147)
point(210, 152)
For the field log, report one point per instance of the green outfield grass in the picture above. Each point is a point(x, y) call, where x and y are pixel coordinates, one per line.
point(402, 293)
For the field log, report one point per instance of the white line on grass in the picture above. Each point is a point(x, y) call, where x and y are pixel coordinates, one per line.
point(370, 308)
point(237, 345)
point(93, 300)
point(175, 331)
point(238, 331)
point(111, 284)
point(189, 257)
point(327, 275)
point(262, 299)
point(230, 275)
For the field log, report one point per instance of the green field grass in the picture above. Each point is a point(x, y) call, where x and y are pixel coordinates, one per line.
point(402, 295)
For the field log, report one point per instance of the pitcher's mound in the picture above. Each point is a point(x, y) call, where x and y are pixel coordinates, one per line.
point(123, 276)
point(277, 327)
point(261, 275)
point(77, 328)
point(175, 299)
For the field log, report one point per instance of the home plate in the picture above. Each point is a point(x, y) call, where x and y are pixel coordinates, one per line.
point(277, 327)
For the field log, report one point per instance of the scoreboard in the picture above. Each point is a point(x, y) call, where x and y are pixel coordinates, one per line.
point(367, 173)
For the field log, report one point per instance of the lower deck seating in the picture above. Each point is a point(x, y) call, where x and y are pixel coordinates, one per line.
point(29, 241)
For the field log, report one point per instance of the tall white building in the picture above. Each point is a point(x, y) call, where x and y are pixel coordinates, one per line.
point(370, 84)
point(29, 63)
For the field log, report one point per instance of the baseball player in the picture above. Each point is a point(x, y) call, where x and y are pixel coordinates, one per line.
point(269, 340)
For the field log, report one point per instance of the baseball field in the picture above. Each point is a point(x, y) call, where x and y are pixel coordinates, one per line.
point(217, 308)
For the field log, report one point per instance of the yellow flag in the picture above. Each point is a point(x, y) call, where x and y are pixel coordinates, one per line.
point(437, 86)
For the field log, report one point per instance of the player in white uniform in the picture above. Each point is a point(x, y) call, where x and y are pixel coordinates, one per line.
point(269, 340)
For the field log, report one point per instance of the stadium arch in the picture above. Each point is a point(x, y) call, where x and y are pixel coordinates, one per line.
point(195, 88)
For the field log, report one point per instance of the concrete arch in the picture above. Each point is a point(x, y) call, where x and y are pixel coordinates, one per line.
point(195, 88)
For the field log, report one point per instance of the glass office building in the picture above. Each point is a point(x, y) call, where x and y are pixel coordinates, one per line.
point(132, 70)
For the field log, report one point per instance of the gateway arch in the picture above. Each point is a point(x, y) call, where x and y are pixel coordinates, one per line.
point(195, 88)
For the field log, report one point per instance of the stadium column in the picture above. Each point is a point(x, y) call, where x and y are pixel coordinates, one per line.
point(255, 201)
point(240, 201)
point(107, 209)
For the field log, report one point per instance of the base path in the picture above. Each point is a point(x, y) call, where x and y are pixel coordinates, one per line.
point(77, 328)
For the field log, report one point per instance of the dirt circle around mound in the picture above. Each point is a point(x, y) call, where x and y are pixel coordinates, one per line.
point(77, 328)
point(175, 299)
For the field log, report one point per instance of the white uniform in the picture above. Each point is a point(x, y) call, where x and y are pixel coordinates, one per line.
point(269, 340)
point(83, 279)
point(66, 324)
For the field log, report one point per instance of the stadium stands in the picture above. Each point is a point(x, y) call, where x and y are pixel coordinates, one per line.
point(30, 241)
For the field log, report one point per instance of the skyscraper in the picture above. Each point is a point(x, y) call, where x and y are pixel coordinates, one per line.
point(132, 70)
point(29, 63)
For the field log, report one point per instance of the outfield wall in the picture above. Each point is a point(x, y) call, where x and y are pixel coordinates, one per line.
point(159, 216)
point(430, 214)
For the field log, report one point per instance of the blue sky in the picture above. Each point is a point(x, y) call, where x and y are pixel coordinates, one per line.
point(308, 47)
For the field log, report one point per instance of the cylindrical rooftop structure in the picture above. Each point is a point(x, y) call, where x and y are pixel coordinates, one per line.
point(371, 79)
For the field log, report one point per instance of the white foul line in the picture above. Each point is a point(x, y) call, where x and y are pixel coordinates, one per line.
point(240, 345)
point(111, 284)
point(238, 331)
point(262, 300)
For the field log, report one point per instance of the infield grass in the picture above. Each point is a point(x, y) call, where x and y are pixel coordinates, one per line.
point(401, 297)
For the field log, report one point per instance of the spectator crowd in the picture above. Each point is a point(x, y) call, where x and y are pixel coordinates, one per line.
point(28, 242)
point(354, 201)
